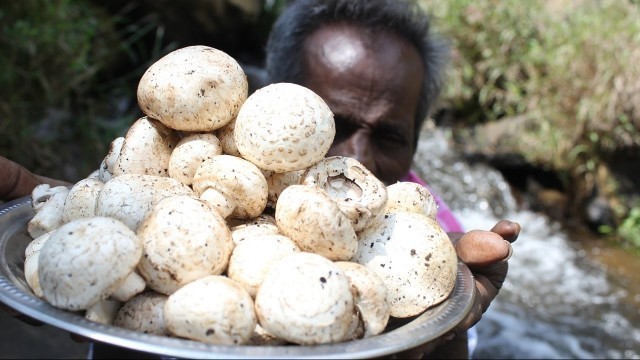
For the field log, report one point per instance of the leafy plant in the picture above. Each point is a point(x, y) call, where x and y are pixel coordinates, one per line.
point(66, 83)
point(569, 76)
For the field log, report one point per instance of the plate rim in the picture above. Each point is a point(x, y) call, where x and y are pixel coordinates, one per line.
point(399, 339)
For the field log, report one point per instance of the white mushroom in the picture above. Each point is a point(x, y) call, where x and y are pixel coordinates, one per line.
point(195, 88)
point(309, 217)
point(305, 299)
point(42, 193)
point(105, 172)
point(36, 244)
point(213, 309)
point(143, 313)
point(263, 224)
point(414, 257)
point(262, 337)
point(370, 297)
point(48, 215)
point(128, 197)
point(103, 311)
point(94, 175)
point(252, 258)
point(31, 273)
point(30, 267)
point(85, 260)
point(358, 193)
point(81, 200)
point(232, 185)
point(410, 197)
point(146, 149)
point(190, 152)
point(184, 239)
point(284, 127)
point(225, 135)
point(277, 182)
point(132, 285)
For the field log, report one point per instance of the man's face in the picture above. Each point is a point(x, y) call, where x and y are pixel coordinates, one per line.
point(371, 81)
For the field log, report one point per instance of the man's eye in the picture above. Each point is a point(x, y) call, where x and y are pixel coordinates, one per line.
point(343, 129)
point(391, 139)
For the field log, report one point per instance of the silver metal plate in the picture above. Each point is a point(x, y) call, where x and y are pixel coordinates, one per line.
point(399, 336)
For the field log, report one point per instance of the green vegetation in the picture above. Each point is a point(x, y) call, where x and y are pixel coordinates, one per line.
point(62, 87)
point(570, 69)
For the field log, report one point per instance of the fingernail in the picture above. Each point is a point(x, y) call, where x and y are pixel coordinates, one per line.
point(510, 251)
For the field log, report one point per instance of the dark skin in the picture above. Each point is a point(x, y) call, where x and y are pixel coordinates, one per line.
point(17, 181)
point(371, 81)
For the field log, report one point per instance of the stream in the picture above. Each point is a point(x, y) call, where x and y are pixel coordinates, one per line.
point(566, 295)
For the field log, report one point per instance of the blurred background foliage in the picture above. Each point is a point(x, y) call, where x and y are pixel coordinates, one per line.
point(554, 84)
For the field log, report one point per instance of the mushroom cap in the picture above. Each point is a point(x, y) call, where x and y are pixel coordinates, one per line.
point(128, 197)
point(370, 297)
point(237, 180)
point(414, 257)
point(195, 88)
point(358, 193)
point(105, 172)
point(31, 276)
point(184, 239)
point(36, 244)
point(284, 127)
point(252, 258)
point(261, 337)
point(146, 149)
point(81, 199)
point(277, 182)
point(143, 313)
point(213, 309)
point(305, 299)
point(132, 285)
point(105, 246)
point(225, 134)
point(407, 196)
point(263, 224)
point(103, 312)
point(190, 152)
point(95, 174)
point(309, 217)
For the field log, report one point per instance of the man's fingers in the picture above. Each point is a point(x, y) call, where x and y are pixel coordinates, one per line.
point(485, 293)
point(509, 230)
point(479, 248)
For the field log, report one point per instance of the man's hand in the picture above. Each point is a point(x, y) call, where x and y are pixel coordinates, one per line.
point(16, 181)
point(486, 254)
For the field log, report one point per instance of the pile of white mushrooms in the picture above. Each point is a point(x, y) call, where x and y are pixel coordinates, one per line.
point(217, 218)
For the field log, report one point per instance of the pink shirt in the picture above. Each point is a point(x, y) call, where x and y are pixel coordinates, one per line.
point(445, 216)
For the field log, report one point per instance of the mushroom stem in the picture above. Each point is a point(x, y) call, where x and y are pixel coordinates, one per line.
point(132, 285)
point(242, 186)
point(223, 204)
point(103, 312)
point(49, 215)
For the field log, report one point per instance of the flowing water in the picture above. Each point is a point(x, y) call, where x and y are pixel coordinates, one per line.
point(566, 296)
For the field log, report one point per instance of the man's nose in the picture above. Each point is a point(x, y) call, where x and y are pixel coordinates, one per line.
point(359, 147)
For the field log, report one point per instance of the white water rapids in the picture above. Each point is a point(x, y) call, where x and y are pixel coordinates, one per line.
point(557, 302)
